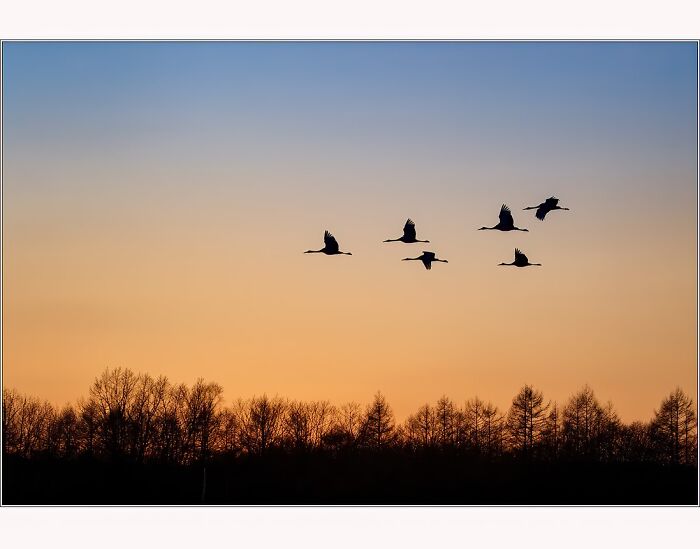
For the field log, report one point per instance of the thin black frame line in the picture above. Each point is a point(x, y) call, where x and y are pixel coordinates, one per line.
point(371, 40)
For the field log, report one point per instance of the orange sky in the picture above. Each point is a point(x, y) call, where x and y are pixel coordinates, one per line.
point(173, 247)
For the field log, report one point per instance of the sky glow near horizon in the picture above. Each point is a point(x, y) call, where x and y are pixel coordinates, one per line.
point(158, 198)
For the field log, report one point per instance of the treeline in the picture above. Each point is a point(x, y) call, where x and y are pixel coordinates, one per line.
point(137, 418)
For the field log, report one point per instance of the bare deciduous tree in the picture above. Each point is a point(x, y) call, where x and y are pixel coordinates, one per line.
point(526, 421)
point(552, 433)
point(583, 419)
point(27, 424)
point(137, 417)
point(111, 395)
point(378, 427)
point(10, 413)
point(261, 423)
point(674, 429)
point(445, 422)
point(635, 442)
point(421, 429)
point(201, 418)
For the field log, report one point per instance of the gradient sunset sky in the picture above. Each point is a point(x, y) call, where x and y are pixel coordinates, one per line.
point(158, 198)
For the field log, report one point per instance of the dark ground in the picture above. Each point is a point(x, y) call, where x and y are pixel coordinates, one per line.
point(394, 479)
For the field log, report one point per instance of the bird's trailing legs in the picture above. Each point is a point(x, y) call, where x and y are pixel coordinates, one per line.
point(427, 258)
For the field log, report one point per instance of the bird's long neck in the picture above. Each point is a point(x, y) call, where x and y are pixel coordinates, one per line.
point(531, 208)
point(524, 230)
point(535, 264)
point(422, 240)
point(345, 253)
point(487, 228)
point(506, 264)
point(440, 260)
point(313, 251)
point(411, 259)
point(560, 208)
point(392, 240)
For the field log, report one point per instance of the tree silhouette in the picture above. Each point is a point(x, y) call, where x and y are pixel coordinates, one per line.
point(88, 426)
point(65, 433)
point(491, 430)
point(170, 426)
point(349, 420)
point(134, 420)
point(583, 424)
point(610, 434)
point(344, 429)
point(298, 426)
point(228, 436)
point(674, 429)
point(483, 427)
point(111, 395)
point(526, 421)
point(27, 424)
point(474, 419)
point(147, 403)
point(307, 425)
point(378, 427)
point(10, 421)
point(261, 423)
point(421, 430)
point(635, 443)
point(202, 418)
point(446, 422)
point(552, 433)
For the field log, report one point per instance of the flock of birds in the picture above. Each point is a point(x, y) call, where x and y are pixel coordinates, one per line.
point(505, 223)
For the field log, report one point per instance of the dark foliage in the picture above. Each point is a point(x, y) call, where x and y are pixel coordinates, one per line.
point(140, 440)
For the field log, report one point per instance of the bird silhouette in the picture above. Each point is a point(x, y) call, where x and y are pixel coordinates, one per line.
point(546, 207)
point(409, 234)
point(330, 248)
point(427, 258)
point(505, 222)
point(521, 260)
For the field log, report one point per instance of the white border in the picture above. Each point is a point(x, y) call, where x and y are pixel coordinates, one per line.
point(349, 527)
point(357, 19)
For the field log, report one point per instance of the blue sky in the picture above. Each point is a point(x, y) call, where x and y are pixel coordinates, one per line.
point(153, 189)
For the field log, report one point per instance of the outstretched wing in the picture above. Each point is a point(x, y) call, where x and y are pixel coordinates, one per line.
point(520, 256)
point(330, 242)
point(542, 211)
point(505, 216)
point(409, 230)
